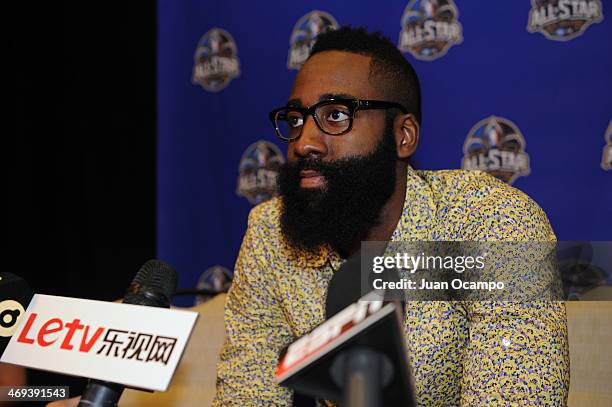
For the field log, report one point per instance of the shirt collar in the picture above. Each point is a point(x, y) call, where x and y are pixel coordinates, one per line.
point(419, 211)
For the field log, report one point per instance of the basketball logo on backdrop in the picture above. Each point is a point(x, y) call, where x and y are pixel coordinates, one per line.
point(216, 279)
point(563, 20)
point(496, 145)
point(606, 159)
point(305, 33)
point(258, 171)
point(430, 28)
point(215, 61)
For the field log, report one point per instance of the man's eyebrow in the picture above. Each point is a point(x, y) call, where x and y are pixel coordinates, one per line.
point(328, 96)
point(294, 103)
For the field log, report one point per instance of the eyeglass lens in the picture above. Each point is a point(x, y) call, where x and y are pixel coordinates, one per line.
point(333, 118)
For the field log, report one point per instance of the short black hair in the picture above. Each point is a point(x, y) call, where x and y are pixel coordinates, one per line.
point(390, 72)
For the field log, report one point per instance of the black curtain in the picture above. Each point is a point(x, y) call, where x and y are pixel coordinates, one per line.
point(81, 170)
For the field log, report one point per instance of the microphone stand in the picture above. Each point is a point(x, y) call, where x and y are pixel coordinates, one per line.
point(101, 393)
point(362, 373)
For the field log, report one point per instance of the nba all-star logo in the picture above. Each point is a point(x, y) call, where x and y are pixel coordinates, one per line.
point(430, 28)
point(563, 20)
point(216, 279)
point(606, 159)
point(216, 60)
point(304, 34)
point(496, 145)
point(258, 172)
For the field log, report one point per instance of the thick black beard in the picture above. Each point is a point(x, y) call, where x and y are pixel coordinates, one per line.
point(341, 213)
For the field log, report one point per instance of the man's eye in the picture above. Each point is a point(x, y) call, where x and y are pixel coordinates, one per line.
point(337, 116)
point(295, 121)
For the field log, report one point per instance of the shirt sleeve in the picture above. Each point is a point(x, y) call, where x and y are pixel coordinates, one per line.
point(256, 330)
point(517, 353)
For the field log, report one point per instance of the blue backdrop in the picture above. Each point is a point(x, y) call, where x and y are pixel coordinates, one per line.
point(556, 92)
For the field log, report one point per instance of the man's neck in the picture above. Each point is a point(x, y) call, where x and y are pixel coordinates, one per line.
point(390, 214)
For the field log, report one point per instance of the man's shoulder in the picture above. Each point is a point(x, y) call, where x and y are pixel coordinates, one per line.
point(469, 185)
point(465, 197)
point(266, 214)
point(458, 179)
point(265, 217)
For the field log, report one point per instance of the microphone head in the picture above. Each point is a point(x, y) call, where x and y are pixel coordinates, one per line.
point(15, 296)
point(344, 287)
point(153, 286)
point(350, 283)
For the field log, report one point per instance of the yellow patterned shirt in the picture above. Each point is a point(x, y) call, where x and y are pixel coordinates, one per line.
point(460, 354)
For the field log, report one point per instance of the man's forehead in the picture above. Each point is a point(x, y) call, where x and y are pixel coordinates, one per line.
point(333, 73)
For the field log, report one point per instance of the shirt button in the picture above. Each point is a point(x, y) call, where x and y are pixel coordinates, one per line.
point(506, 342)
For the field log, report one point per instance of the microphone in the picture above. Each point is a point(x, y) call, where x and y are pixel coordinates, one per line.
point(344, 287)
point(153, 286)
point(357, 355)
point(348, 282)
point(15, 296)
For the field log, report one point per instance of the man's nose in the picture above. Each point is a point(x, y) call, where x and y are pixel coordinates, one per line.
point(311, 142)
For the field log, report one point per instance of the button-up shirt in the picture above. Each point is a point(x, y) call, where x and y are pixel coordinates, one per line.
point(460, 353)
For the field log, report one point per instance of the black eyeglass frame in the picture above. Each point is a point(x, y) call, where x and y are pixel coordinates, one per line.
point(353, 104)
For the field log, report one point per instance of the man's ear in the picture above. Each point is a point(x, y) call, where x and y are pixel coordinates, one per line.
point(406, 131)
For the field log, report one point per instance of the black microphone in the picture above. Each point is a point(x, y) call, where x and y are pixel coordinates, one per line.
point(351, 281)
point(15, 296)
point(153, 286)
point(343, 290)
point(344, 287)
point(361, 370)
point(358, 354)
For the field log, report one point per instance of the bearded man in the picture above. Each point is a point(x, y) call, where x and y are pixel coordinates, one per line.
point(352, 124)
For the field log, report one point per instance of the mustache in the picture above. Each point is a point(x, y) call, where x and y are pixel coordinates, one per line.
point(317, 164)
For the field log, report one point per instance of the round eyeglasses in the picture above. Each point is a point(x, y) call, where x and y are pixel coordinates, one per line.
point(332, 116)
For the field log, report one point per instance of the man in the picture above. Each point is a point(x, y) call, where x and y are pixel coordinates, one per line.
point(352, 123)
